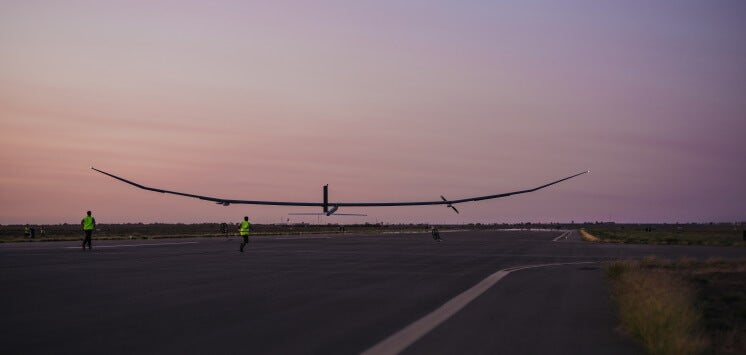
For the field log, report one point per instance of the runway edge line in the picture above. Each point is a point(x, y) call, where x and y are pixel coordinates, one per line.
point(407, 336)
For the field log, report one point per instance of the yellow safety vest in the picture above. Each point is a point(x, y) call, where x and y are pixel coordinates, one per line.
point(244, 228)
point(88, 223)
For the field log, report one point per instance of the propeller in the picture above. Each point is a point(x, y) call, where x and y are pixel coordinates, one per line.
point(449, 205)
point(332, 210)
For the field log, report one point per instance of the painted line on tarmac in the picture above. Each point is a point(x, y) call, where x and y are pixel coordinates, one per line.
point(291, 238)
point(134, 245)
point(405, 337)
point(562, 236)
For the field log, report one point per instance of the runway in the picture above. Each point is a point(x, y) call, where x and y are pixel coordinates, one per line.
point(319, 294)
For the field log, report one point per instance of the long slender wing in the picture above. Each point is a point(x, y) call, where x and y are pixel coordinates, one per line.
point(226, 202)
point(324, 214)
point(453, 202)
point(222, 201)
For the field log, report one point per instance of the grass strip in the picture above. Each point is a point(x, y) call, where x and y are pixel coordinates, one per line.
point(715, 235)
point(657, 309)
point(588, 237)
point(682, 307)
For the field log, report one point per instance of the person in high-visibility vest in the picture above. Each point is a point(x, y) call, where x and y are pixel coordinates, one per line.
point(88, 223)
point(244, 230)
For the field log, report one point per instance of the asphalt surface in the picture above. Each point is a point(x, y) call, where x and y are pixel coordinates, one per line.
point(317, 294)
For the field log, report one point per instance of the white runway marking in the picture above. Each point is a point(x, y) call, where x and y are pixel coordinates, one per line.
point(562, 236)
point(400, 340)
point(134, 245)
point(292, 238)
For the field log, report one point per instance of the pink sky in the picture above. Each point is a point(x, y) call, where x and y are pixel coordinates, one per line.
point(382, 100)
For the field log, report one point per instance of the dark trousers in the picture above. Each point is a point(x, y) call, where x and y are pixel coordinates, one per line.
point(87, 239)
point(245, 239)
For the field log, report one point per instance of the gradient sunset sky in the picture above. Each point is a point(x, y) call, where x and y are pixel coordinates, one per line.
point(382, 100)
